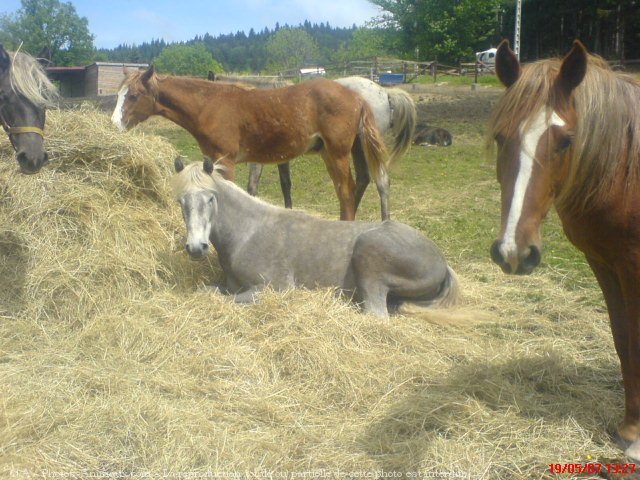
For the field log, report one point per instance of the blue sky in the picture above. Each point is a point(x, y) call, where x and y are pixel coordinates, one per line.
point(135, 21)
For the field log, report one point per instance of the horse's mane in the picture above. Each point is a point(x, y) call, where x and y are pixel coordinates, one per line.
point(194, 82)
point(29, 79)
point(254, 81)
point(607, 129)
point(194, 178)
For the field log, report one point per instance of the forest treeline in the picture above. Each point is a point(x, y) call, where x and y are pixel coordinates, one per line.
point(240, 51)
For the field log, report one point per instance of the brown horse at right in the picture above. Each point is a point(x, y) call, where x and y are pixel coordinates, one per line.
point(568, 134)
point(235, 124)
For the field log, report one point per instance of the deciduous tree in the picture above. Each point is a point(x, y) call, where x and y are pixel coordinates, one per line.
point(290, 48)
point(182, 59)
point(448, 29)
point(52, 24)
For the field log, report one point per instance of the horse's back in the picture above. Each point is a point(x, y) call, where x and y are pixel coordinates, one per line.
point(292, 248)
point(402, 244)
point(375, 95)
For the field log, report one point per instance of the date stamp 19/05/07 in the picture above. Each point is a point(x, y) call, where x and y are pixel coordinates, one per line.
point(591, 468)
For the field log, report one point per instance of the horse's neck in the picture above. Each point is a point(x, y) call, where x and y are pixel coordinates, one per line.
point(237, 217)
point(177, 102)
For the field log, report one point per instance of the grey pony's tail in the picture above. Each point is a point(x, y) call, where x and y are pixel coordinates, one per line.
point(373, 146)
point(447, 297)
point(458, 317)
point(403, 121)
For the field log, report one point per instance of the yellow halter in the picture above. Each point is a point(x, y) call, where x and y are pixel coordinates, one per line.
point(14, 130)
point(17, 130)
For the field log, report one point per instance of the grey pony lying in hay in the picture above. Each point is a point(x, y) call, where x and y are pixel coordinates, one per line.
point(426, 136)
point(381, 265)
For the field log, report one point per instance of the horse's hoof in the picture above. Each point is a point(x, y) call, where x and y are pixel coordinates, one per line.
point(633, 451)
point(620, 442)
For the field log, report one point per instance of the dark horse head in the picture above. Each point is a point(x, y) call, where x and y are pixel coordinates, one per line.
point(25, 92)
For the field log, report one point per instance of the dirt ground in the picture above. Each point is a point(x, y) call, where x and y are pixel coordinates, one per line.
point(442, 105)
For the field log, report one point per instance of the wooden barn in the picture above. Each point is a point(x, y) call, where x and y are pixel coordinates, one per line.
point(95, 80)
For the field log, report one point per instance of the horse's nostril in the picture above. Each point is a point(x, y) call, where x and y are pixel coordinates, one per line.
point(29, 165)
point(496, 255)
point(197, 250)
point(534, 257)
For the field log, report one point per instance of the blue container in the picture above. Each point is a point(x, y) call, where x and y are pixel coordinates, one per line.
point(391, 78)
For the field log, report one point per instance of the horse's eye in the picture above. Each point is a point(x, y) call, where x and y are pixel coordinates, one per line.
point(499, 138)
point(132, 96)
point(564, 143)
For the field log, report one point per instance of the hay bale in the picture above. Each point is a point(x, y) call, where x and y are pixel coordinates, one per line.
point(93, 226)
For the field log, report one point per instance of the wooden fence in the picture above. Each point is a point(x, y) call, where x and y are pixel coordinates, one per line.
point(377, 68)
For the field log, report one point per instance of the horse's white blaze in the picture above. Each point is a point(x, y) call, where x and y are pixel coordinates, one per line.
point(198, 226)
point(116, 118)
point(530, 140)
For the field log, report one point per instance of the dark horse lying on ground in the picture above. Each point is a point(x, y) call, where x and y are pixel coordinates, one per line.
point(381, 265)
point(426, 135)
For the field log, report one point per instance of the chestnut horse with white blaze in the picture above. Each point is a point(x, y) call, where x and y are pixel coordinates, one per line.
point(235, 124)
point(568, 134)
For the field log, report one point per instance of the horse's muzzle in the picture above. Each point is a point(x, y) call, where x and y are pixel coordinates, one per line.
point(30, 165)
point(522, 265)
point(197, 251)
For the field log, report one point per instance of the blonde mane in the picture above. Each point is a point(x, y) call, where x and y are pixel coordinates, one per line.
point(607, 131)
point(134, 80)
point(193, 178)
point(29, 79)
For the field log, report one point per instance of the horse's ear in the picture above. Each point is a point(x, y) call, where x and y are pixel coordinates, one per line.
point(148, 75)
point(573, 69)
point(507, 64)
point(5, 61)
point(178, 164)
point(44, 56)
point(207, 165)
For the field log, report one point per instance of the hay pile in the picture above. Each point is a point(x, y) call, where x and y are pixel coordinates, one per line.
point(114, 362)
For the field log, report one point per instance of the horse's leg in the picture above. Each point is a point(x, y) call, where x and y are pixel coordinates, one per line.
point(373, 295)
point(255, 171)
point(630, 427)
point(284, 170)
point(340, 173)
point(624, 328)
point(371, 290)
point(248, 296)
point(383, 185)
point(228, 170)
point(363, 179)
point(362, 170)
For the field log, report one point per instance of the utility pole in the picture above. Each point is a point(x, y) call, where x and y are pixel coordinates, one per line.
point(516, 39)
